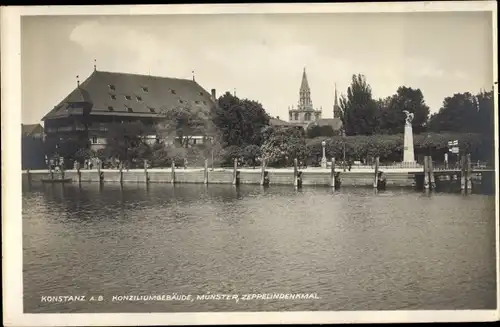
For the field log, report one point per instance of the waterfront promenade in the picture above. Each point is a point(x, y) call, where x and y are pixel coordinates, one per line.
point(357, 176)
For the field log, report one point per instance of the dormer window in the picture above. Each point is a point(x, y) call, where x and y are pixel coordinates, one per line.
point(128, 97)
point(197, 102)
point(112, 87)
point(201, 93)
point(113, 97)
point(129, 109)
point(152, 110)
point(139, 98)
point(181, 101)
point(173, 92)
point(110, 108)
point(145, 89)
point(204, 102)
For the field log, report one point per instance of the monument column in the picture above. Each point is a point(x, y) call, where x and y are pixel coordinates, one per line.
point(409, 153)
point(323, 159)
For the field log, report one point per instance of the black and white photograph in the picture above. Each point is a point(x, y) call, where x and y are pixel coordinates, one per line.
point(285, 163)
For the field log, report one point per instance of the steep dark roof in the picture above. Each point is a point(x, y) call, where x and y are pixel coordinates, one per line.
point(30, 129)
point(121, 94)
point(336, 123)
point(278, 122)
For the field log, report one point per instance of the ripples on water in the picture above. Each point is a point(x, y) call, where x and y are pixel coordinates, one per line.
point(357, 249)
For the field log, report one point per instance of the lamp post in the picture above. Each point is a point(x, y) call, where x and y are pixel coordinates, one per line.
point(323, 159)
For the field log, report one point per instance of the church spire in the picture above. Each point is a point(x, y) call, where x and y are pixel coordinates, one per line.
point(337, 112)
point(305, 102)
point(304, 86)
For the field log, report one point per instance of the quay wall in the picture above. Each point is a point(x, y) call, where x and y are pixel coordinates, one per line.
point(316, 177)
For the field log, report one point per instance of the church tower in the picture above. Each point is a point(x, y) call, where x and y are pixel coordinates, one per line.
point(337, 112)
point(305, 112)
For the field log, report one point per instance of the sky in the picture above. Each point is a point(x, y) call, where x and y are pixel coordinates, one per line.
point(261, 57)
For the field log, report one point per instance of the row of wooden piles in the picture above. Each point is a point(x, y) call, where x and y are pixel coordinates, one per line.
point(465, 173)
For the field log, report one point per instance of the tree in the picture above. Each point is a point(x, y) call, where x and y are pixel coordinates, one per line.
point(69, 147)
point(315, 130)
point(458, 113)
point(229, 153)
point(250, 154)
point(240, 121)
point(126, 142)
point(360, 110)
point(183, 122)
point(392, 117)
point(283, 145)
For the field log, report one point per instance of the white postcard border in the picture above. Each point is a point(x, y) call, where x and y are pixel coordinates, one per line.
point(11, 177)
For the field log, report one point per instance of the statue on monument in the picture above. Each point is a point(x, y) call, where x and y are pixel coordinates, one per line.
point(409, 117)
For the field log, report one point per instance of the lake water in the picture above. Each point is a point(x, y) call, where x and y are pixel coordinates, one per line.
point(355, 248)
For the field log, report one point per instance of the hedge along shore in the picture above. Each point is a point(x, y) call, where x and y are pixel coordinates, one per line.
point(403, 177)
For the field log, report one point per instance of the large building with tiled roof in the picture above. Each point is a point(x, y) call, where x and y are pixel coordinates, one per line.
point(109, 97)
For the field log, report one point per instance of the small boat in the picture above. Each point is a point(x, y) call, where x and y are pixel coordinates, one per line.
point(56, 180)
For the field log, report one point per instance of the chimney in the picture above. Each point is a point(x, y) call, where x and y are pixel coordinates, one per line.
point(214, 95)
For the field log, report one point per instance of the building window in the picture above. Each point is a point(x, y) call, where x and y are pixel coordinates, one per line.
point(152, 110)
point(94, 140)
point(204, 102)
point(110, 108)
point(201, 93)
point(112, 87)
point(296, 116)
point(113, 96)
point(129, 109)
point(307, 116)
point(197, 102)
point(139, 98)
point(145, 89)
point(290, 118)
point(194, 141)
point(181, 101)
point(128, 97)
point(173, 91)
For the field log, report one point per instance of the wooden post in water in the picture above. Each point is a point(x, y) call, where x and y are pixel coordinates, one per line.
point(469, 172)
point(262, 171)
point(235, 171)
point(463, 172)
point(98, 164)
point(332, 173)
point(432, 180)
point(375, 179)
point(28, 175)
point(205, 175)
point(295, 173)
point(146, 176)
point(61, 165)
point(426, 173)
point(78, 172)
point(51, 172)
point(121, 172)
point(173, 172)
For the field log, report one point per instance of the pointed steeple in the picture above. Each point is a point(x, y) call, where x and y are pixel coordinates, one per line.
point(305, 103)
point(304, 86)
point(337, 112)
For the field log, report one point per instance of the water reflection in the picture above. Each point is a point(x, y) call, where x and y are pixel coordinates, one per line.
point(358, 248)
